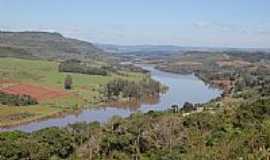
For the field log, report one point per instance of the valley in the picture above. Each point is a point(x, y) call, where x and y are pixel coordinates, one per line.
point(190, 105)
point(41, 80)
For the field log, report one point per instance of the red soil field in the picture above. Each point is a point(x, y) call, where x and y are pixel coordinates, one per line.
point(37, 92)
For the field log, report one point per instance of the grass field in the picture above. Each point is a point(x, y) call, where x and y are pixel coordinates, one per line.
point(85, 91)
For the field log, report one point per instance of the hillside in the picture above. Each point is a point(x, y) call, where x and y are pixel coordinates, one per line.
point(45, 44)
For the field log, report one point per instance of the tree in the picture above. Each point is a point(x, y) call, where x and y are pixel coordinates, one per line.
point(175, 108)
point(188, 107)
point(68, 82)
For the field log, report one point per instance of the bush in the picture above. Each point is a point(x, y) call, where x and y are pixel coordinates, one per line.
point(68, 82)
point(188, 107)
point(16, 100)
point(59, 141)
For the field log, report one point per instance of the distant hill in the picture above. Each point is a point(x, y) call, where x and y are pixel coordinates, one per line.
point(139, 48)
point(45, 44)
point(169, 49)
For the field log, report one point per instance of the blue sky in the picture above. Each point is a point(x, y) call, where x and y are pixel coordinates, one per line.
point(212, 23)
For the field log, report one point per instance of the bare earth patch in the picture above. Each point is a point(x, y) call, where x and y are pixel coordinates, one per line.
point(37, 92)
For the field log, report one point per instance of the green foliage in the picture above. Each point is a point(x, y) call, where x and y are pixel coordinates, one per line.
point(16, 100)
point(68, 82)
point(76, 66)
point(44, 144)
point(252, 115)
point(12, 135)
point(81, 131)
point(239, 130)
point(59, 141)
point(242, 133)
point(131, 89)
point(15, 52)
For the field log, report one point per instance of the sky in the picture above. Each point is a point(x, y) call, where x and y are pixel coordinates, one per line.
point(198, 23)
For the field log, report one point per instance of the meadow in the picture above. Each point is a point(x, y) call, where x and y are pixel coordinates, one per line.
point(85, 89)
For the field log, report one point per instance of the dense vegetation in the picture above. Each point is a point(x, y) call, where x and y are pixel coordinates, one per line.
point(240, 134)
point(47, 45)
point(76, 66)
point(130, 89)
point(16, 100)
point(235, 133)
point(68, 82)
point(129, 67)
point(44, 144)
point(14, 52)
point(236, 126)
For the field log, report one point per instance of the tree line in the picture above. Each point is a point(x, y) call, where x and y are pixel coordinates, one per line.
point(76, 66)
point(16, 100)
point(130, 89)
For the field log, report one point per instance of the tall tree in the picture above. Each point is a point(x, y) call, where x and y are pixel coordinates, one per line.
point(68, 82)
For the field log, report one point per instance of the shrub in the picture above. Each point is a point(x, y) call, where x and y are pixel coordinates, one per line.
point(59, 141)
point(16, 100)
point(68, 82)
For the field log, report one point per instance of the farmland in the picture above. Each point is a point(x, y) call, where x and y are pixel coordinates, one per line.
point(42, 80)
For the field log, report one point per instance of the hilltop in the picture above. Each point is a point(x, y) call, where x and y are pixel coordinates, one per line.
point(45, 44)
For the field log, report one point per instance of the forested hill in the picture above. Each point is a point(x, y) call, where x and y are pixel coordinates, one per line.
point(44, 44)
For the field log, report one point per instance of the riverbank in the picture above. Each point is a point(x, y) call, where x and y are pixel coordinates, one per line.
point(235, 126)
point(176, 83)
point(51, 113)
point(42, 79)
point(32, 114)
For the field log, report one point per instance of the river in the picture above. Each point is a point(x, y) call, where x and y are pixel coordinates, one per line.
point(182, 88)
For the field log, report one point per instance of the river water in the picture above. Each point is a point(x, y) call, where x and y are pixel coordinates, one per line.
point(182, 88)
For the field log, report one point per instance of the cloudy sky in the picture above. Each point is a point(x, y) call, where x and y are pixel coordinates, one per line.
point(211, 23)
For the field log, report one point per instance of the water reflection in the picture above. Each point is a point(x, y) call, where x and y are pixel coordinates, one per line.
point(182, 88)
